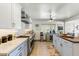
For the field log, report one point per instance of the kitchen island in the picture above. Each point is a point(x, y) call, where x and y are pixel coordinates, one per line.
point(66, 46)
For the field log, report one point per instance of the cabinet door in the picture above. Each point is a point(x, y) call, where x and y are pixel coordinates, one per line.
point(57, 42)
point(20, 53)
point(67, 48)
point(5, 15)
point(59, 45)
point(10, 15)
point(75, 49)
point(19, 50)
point(16, 16)
point(25, 48)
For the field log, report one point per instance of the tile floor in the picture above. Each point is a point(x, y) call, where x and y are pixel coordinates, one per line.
point(44, 49)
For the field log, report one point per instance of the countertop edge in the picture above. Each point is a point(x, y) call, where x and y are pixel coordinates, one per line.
point(71, 40)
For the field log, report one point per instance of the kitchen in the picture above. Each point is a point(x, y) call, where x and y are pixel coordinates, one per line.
point(39, 29)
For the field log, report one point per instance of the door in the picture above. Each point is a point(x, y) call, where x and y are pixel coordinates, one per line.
point(46, 28)
point(37, 31)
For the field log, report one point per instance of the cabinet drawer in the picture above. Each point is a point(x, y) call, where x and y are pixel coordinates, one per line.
point(67, 42)
point(21, 53)
point(18, 49)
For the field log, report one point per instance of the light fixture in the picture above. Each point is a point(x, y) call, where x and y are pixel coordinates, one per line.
point(51, 16)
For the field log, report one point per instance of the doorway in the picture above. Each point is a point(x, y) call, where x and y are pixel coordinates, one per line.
point(46, 28)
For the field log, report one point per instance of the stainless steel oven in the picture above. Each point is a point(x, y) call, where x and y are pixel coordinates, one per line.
point(31, 43)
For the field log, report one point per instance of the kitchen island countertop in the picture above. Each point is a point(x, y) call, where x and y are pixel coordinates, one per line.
point(73, 40)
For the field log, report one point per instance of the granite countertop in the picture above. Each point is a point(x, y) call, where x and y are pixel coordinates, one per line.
point(27, 35)
point(74, 39)
point(30, 35)
point(6, 48)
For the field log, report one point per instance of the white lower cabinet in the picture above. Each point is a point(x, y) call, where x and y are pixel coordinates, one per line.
point(19, 53)
point(76, 49)
point(21, 50)
point(65, 47)
point(57, 43)
point(25, 49)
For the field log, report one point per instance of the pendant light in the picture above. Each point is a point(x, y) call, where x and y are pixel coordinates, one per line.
point(52, 16)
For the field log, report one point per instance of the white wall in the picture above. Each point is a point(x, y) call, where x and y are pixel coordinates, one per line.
point(43, 28)
point(70, 25)
point(59, 23)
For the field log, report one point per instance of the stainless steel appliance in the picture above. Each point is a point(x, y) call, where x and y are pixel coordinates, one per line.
point(31, 43)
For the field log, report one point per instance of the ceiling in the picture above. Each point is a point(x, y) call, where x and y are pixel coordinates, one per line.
point(59, 11)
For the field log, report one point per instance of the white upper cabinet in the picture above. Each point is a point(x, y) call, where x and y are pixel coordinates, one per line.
point(16, 16)
point(10, 15)
point(5, 15)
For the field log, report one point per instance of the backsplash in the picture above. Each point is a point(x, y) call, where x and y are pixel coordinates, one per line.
point(4, 32)
point(22, 32)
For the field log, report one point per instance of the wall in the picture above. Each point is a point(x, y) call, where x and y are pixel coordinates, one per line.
point(44, 28)
point(36, 29)
point(59, 23)
point(70, 25)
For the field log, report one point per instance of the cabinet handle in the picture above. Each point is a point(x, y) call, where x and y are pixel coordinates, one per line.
point(20, 48)
point(20, 54)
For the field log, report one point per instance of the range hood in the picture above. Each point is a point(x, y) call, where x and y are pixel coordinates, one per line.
point(25, 21)
point(24, 17)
